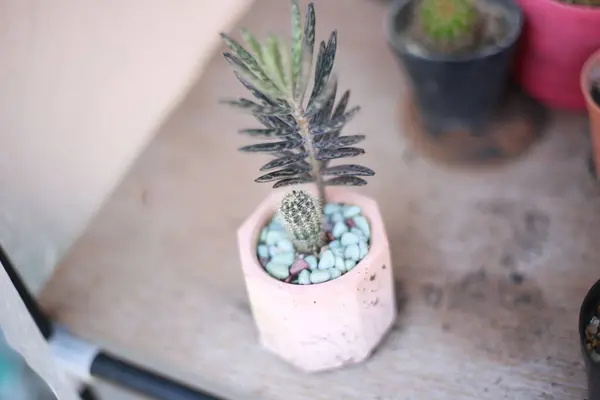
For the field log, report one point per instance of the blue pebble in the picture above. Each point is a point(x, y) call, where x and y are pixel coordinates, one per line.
point(363, 249)
point(352, 252)
point(351, 211)
point(335, 273)
point(337, 217)
point(327, 260)
point(334, 244)
point(349, 238)
point(285, 245)
point(349, 264)
point(320, 276)
point(358, 232)
point(337, 251)
point(331, 208)
point(304, 277)
point(278, 271)
point(363, 225)
point(286, 258)
point(339, 264)
point(263, 235)
point(274, 236)
point(312, 262)
point(338, 229)
point(263, 251)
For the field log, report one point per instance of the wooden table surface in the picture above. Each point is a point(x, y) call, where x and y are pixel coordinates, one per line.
point(491, 264)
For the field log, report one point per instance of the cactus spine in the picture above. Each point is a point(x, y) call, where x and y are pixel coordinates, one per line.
point(448, 25)
point(301, 217)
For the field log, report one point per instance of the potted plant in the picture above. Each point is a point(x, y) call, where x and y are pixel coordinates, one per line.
point(558, 36)
point(457, 55)
point(316, 263)
point(589, 339)
point(590, 89)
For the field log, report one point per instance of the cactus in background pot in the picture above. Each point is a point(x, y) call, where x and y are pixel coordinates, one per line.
point(448, 25)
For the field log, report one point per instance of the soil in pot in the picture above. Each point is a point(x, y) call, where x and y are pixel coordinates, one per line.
point(348, 234)
point(456, 86)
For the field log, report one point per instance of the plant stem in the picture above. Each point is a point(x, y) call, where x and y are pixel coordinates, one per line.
point(312, 154)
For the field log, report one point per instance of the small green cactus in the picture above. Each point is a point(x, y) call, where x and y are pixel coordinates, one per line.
point(448, 25)
point(301, 217)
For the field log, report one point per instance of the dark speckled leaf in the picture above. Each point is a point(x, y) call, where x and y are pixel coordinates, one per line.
point(335, 124)
point(293, 181)
point(257, 109)
point(271, 147)
point(346, 181)
point(347, 170)
point(308, 48)
point(289, 172)
point(284, 161)
point(326, 96)
point(325, 66)
point(340, 109)
point(339, 153)
point(341, 141)
point(269, 133)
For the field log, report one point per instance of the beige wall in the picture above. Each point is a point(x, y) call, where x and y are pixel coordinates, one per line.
point(83, 84)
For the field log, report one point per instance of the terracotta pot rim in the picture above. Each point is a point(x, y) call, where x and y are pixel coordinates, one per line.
point(572, 8)
point(378, 241)
point(591, 62)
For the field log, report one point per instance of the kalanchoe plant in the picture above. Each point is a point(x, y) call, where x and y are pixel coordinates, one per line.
point(305, 133)
point(448, 25)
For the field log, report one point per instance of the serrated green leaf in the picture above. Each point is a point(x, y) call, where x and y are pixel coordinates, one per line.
point(249, 61)
point(296, 42)
point(257, 109)
point(253, 43)
point(308, 46)
point(272, 62)
point(265, 96)
point(286, 68)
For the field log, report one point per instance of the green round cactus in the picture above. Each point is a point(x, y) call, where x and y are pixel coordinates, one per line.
point(448, 25)
point(301, 217)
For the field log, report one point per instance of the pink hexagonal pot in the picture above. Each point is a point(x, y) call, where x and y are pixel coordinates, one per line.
point(327, 325)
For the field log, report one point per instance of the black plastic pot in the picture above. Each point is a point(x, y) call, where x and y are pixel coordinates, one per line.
point(587, 311)
point(455, 92)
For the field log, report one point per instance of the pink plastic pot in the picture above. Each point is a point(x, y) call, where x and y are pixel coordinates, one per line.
point(557, 39)
point(326, 325)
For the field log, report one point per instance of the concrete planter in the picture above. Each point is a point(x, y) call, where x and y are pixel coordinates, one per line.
point(327, 325)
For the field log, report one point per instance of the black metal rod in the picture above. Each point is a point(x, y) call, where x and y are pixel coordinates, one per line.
point(112, 369)
point(88, 394)
point(43, 323)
